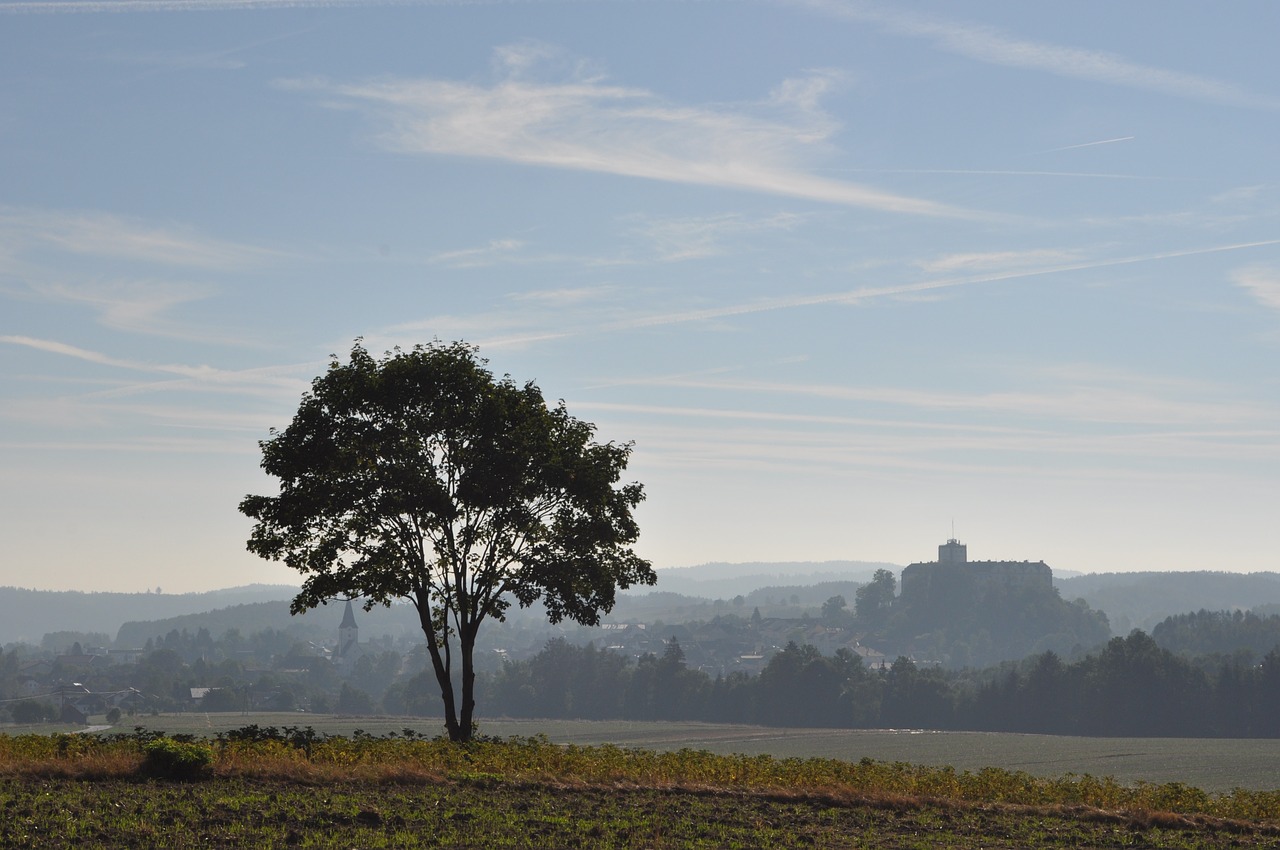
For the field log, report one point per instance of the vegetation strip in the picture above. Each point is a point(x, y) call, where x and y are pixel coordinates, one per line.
point(239, 812)
point(268, 787)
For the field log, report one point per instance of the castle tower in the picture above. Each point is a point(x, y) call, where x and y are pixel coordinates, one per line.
point(953, 552)
point(348, 633)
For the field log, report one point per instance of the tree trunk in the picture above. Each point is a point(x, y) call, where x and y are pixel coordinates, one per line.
point(458, 732)
point(468, 645)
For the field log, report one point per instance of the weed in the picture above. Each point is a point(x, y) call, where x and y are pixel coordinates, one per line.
point(168, 758)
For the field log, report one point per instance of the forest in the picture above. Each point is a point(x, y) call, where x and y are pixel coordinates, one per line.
point(1131, 687)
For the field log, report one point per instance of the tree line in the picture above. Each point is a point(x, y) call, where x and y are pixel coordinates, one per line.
point(1131, 687)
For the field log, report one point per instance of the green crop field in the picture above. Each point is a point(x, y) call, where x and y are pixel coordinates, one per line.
point(1217, 764)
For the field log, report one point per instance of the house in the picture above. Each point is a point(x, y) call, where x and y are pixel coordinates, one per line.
point(82, 663)
point(29, 686)
point(73, 702)
point(39, 668)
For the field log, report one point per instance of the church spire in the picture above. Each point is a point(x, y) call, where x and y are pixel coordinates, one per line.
point(348, 633)
point(348, 618)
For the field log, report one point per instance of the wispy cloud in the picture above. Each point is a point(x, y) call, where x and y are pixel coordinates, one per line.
point(586, 124)
point(258, 381)
point(990, 45)
point(497, 250)
point(689, 238)
point(923, 434)
point(986, 261)
point(739, 438)
point(105, 235)
point(1086, 403)
point(509, 328)
point(130, 282)
point(129, 305)
point(1261, 282)
point(1008, 172)
point(565, 297)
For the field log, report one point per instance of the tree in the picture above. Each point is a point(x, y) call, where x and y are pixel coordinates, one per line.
point(30, 711)
point(354, 701)
point(872, 599)
point(834, 608)
point(422, 477)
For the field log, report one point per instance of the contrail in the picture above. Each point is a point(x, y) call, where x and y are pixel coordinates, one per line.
point(1091, 144)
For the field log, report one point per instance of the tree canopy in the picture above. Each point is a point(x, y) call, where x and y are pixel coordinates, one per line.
point(420, 476)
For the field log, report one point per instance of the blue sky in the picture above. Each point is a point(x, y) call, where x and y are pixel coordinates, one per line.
point(847, 273)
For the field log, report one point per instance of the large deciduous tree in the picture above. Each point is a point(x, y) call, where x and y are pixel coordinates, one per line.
point(420, 476)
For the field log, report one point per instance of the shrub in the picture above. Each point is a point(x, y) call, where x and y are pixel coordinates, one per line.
point(30, 711)
point(166, 758)
point(113, 716)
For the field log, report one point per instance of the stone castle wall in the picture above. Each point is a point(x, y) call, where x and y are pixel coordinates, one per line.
point(919, 580)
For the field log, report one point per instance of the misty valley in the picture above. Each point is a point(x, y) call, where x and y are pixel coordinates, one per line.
point(835, 645)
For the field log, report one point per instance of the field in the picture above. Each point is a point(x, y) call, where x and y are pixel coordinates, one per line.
point(259, 788)
point(1216, 765)
point(486, 814)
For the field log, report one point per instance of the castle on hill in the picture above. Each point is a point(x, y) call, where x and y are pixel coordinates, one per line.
point(934, 580)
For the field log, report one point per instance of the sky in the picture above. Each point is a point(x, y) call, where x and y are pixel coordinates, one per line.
point(854, 277)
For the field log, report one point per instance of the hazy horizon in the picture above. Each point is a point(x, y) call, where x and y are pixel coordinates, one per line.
point(213, 589)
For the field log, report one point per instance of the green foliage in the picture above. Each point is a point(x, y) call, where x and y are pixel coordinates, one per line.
point(873, 599)
point(1131, 687)
point(223, 699)
point(354, 701)
point(834, 608)
point(167, 758)
point(32, 711)
point(422, 477)
point(67, 641)
point(1218, 632)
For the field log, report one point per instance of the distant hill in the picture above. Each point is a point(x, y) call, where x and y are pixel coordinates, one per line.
point(1141, 600)
point(1130, 600)
point(31, 614)
point(247, 619)
point(319, 624)
point(721, 580)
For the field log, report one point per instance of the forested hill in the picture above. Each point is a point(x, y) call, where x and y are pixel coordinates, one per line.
point(1141, 600)
point(318, 625)
point(31, 614)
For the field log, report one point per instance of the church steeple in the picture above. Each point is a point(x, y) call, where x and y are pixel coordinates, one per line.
point(348, 632)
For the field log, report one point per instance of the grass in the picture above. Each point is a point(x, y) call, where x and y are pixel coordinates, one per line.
point(270, 789)
point(1216, 765)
